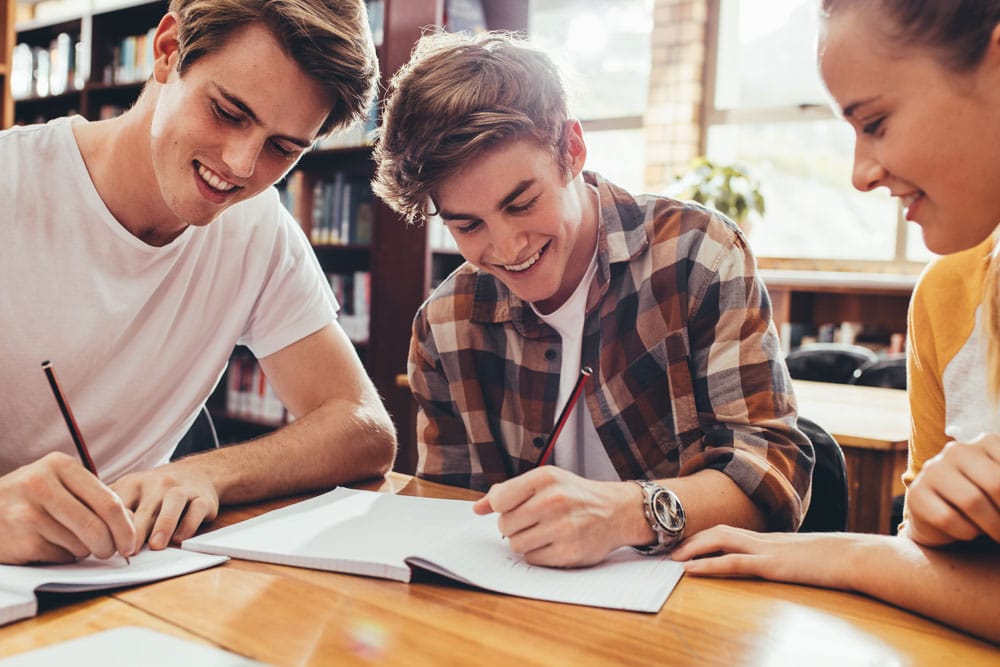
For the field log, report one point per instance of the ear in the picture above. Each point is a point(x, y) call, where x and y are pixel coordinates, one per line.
point(165, 48)
point(576, 148)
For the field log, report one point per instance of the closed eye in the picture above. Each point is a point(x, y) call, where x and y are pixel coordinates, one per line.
point(222, 114)
point(522, 208)
point(873, 126)
point(468, 228)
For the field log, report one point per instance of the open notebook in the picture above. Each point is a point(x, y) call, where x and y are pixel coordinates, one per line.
point(383, 535)
point(18, 583)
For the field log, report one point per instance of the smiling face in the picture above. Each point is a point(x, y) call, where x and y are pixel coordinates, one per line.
point(928, 134)
point(517, 216)
point(232, 125)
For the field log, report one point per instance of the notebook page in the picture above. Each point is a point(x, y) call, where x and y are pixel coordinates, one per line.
point(96, 574)
point(355, 532)
point(478, 555)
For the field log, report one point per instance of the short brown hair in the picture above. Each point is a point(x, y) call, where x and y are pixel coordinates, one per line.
point(329, 39)
point(459, 96)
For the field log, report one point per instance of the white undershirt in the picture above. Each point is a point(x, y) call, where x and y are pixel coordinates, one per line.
point(578, 448)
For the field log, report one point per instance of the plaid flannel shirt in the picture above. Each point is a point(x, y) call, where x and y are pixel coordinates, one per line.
point(678, 331)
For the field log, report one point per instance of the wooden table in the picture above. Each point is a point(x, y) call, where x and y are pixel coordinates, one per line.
point(872, 425)
point(289, 616)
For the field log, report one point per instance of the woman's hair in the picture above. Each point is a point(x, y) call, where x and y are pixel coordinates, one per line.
point(458, 97)
point(329, 39)
point(959, 31)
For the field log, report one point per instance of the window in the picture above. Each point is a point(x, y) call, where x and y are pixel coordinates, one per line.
point(603, 49)
point(767, 109)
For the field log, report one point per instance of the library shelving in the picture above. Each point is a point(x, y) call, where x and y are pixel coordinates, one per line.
point(388, 267)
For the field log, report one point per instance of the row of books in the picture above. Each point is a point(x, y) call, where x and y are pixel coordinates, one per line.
point(354, 294)
point(343, 211)
point(249, 395)
point(39, 72)
point(131, 60)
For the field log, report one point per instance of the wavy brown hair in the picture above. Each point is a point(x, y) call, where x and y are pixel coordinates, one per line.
point(329, 39)
point(458, 97)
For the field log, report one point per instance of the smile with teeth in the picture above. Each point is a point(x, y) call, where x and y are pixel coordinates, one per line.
point(526, 264)
point(213, 180)
point(908, 200)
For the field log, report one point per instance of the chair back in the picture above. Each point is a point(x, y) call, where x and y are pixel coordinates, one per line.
point(828, 362)
point(887, 372)
point(830, 495)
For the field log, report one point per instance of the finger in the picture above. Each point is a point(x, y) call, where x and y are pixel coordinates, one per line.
point(198, 511)
point(934, 513)
point(145, 515)
point(509, 495)
point(712, 541)
point(482, 506)
point(981, 496)
point(167, 519)
point(108, 524)
point(725, 565)
point(529, 540)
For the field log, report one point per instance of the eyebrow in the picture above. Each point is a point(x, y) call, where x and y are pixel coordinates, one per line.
point(508, 199)
point(851, 109)
point(245, 108)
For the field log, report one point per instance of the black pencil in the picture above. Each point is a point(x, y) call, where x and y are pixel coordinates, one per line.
point(67, 413)
point(585, 373)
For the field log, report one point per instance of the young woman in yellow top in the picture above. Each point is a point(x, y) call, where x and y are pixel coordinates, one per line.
point(920, 85)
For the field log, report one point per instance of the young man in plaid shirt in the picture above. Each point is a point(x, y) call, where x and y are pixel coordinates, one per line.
point(565, 270)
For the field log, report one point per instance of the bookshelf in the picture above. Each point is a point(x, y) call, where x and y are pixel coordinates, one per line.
point(401, 263)
point(96, 61)
point(7, 13)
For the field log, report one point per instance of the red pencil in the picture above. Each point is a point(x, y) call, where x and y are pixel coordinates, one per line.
point(585, 373)
point(67, 413)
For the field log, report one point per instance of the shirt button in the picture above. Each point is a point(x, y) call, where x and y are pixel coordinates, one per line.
point(538, 442)
point(550, 354)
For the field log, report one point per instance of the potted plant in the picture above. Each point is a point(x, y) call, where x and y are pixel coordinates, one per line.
point(732, 190)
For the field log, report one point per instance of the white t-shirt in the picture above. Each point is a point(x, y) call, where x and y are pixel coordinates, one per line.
point(138, 335)
point(578, 448)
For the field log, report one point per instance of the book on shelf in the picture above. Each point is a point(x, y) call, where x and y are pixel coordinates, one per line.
point(249, 394)
point(464, 16)
point(388, 536)
point(343, 211)
point(121, 645)
point(19, 583)
point(131, 60)
point(353, 293)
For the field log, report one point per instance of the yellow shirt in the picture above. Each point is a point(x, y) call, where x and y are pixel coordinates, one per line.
point(947, 357)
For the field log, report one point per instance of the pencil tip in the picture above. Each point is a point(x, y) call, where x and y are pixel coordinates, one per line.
point(45, 363)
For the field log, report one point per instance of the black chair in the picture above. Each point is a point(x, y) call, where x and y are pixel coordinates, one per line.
point(828, 362)
point(200, 437)
point(828, 508)
point(887, 372)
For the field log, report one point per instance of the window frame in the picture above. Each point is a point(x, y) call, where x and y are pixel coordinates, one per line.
point(804, 112)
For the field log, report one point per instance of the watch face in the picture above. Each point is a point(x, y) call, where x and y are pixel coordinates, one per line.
point(669, 512)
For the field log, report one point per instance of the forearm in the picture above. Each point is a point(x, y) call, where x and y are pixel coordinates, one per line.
point(340, 441)
point(957, 587)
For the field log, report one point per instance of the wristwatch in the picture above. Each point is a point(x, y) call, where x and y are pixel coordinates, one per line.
point(665, 515)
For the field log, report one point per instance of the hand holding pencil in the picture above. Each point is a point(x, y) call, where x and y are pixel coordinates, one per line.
point(55, 510)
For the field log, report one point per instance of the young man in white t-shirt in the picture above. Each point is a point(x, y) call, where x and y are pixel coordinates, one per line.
point(144, 248)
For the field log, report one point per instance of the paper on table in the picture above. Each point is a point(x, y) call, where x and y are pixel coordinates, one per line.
point(18, 583)
point(122, 646)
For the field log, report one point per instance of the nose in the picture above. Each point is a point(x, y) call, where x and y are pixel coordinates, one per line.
point(240, 156)
point(868, 172)
point(508, 241)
